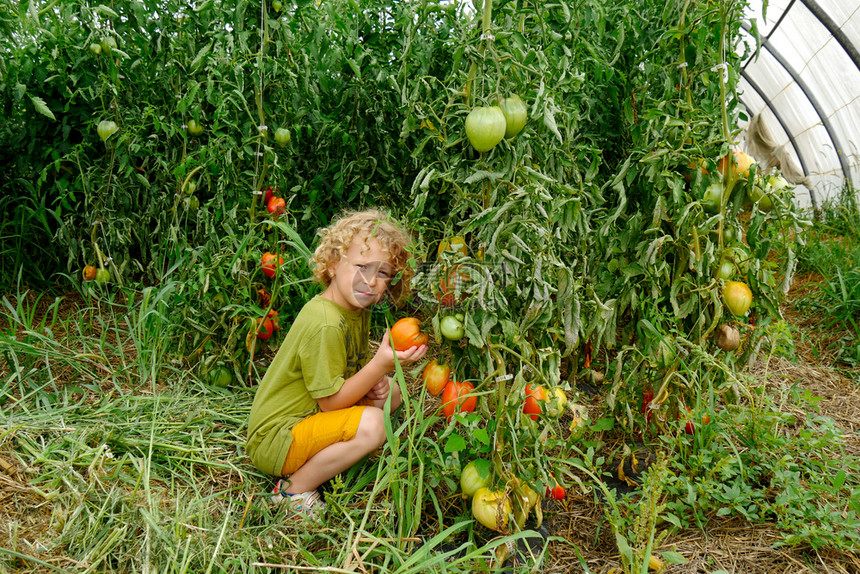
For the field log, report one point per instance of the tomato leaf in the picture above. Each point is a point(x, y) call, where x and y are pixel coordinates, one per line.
point(455, 443)
point(481, 436)
point(42, 107)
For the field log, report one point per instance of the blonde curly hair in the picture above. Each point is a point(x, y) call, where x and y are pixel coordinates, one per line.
point(372, 223)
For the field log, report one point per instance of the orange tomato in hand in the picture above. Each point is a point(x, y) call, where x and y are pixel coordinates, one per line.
point(406, 333)
point(458, 397)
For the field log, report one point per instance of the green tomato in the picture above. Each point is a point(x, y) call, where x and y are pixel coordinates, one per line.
point(221, 377)
point(96, 48)
point(102, 276)
point(282, 136)
point(725, 270)
point(194, 128)
point(515, 115)
point(276, 5)
point(108, 44)
point(451, 328)
point(485, 127)
point(713, 197)
point(471, 479)
point(106, 129)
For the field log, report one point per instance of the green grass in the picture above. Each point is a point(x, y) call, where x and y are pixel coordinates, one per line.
point(832, 251)
point(126, 461)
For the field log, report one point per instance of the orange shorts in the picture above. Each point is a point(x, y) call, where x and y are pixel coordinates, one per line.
point(318, 431)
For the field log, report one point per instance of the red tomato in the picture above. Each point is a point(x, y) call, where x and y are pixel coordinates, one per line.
point(557, 492)
point(265, 330)
point(268, 192)
point(436, 377)
point(689, 418)
point(458, 397)
point(276, 205)
point(535, 395)
point(269, 265)
point(406, 333)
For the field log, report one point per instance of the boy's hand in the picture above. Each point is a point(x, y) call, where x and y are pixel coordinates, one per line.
point(379, 391)
point(386, 353)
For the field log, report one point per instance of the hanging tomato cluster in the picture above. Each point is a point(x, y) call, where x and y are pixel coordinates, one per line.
point(486, 126)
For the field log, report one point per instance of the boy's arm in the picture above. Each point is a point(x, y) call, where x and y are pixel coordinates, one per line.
point(358, 385)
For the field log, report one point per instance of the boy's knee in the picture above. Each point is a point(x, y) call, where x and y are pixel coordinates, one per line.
point(371, 429)
point(396, 397)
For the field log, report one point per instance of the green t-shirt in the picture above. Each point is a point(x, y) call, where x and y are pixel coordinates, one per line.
point(326, 345)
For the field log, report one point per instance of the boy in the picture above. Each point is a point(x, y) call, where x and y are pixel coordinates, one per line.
point(318, 409)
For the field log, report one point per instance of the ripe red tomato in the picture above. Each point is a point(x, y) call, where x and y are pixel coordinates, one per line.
point(558, 492)
point(269, 265)
point(265, 330)
point(689, 418)
point(535, 395)
point(406, 333)
point(436, 377)
point(458, 397)
point(276, 205)
point(741, 163)
point(268, 192)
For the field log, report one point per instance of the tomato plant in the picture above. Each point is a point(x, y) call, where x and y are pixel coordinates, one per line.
point(515, 114)
point(535, 396)
point(270, 263)
point(458, 397)
point(435, 377)
point(485, 127)
point(452, 327)
point(406, 333)
point(738, 297)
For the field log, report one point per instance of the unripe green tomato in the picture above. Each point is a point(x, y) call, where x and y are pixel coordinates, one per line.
point(96, 48)
point(108, 44)
point(276, 5)
point(725, 270)
point(452, 329)
point(194, 128)
point(282, 136)
point(757, 194)
point(102, 275)
point(106, 129)
point(515, 115)
point(221, 377)
point(485, 127)
point(471, 480)
point(193, 203)
point(713, 197)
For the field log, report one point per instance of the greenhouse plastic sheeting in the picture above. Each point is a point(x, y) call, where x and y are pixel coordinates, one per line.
point(803, 88)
